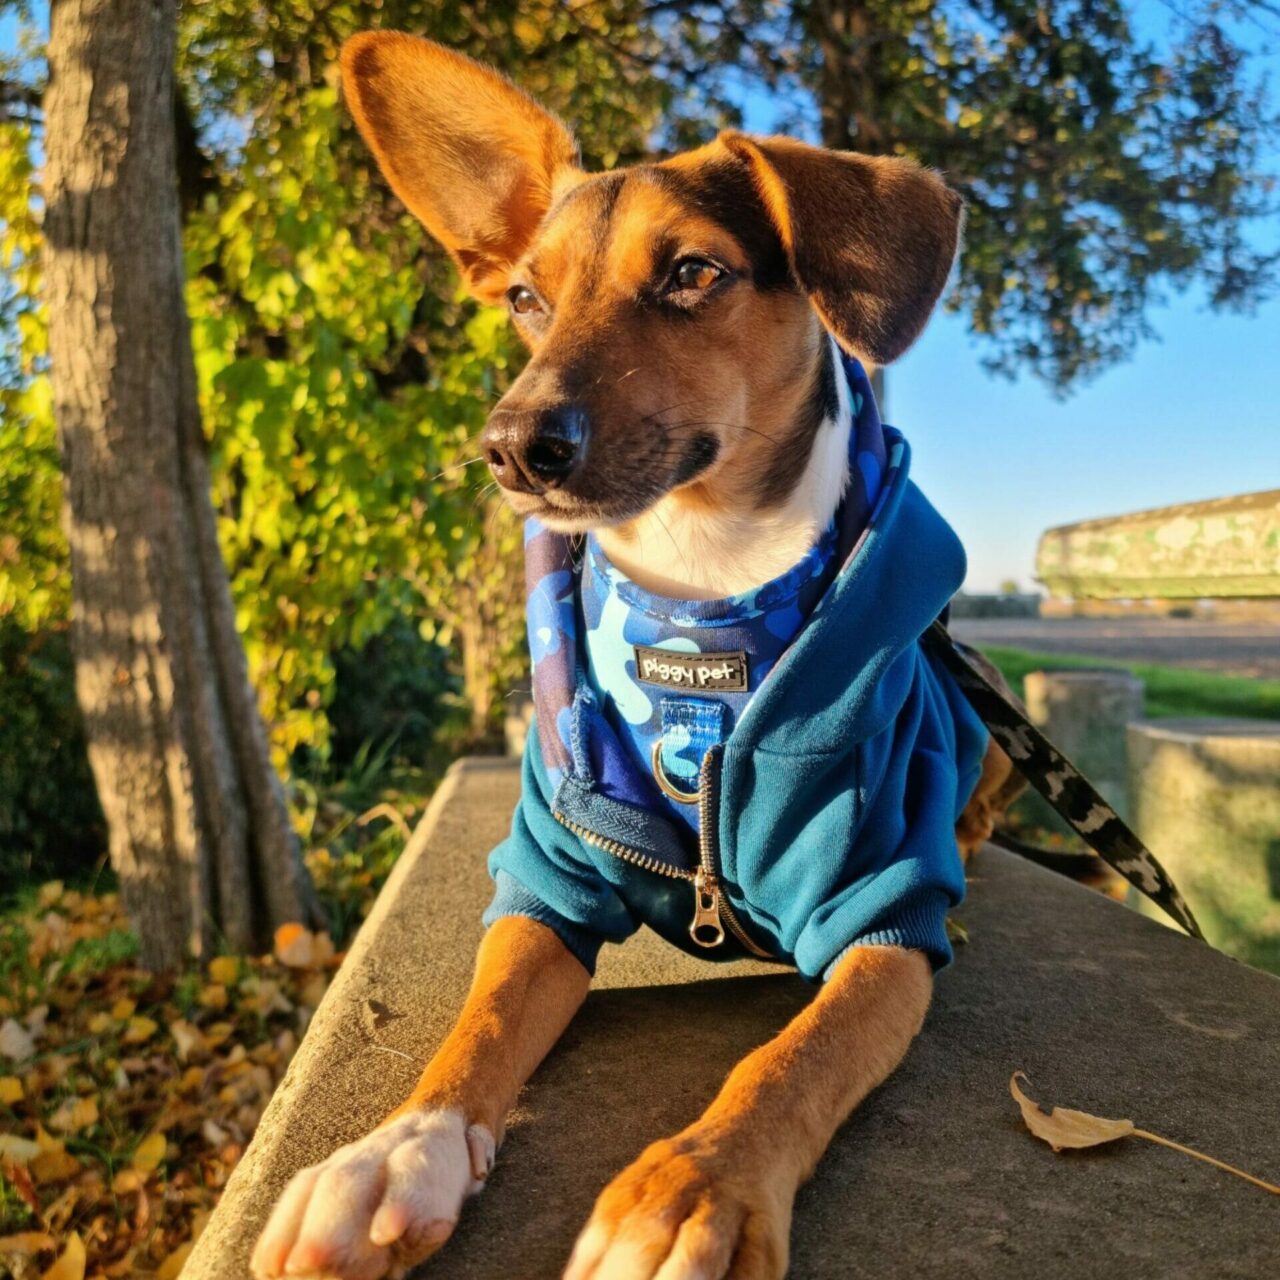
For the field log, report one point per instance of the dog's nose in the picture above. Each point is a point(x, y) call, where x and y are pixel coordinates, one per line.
point(531, 451)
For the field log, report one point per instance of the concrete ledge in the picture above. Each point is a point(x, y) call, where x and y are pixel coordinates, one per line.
point(934, 1177)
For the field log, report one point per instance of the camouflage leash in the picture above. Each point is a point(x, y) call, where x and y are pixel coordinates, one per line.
point(1062, 784)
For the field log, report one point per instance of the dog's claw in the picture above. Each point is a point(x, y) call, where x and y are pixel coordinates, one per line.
point(377, 1206)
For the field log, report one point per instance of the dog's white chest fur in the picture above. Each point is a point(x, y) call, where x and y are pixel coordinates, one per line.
point(697, 555)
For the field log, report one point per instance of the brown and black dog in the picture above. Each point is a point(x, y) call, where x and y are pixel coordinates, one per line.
point(665, 306)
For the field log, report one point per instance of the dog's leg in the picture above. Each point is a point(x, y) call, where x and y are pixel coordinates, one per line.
point(393, 1197)
point(714, 1202)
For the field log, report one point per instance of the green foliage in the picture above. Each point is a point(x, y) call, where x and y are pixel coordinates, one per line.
point(34, 587)
point(342, 377)
point(1101, 165)
point(50, 823)
point(342, 507)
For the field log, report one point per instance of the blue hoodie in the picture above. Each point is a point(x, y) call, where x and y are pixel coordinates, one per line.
point(827, 816)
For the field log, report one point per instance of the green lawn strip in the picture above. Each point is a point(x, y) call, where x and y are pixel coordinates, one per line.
point(1170, 691)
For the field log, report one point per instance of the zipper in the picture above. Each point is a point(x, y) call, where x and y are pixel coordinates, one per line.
point(711, 906)
point(623, 851)
point(711, 909)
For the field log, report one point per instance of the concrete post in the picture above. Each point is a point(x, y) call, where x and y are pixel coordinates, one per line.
point(1084, 712)
point(515, 724)
point(1205, 796)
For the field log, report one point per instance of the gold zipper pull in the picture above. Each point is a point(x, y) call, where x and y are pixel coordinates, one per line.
point(706, 929)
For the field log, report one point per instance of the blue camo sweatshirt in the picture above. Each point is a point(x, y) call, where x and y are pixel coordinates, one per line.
point(828, 814)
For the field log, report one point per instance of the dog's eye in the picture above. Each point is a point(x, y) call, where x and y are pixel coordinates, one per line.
point(694, 275)
point(523, 301)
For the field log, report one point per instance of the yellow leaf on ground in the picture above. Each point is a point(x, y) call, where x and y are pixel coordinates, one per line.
point(70, 1265)
point(139, 1030)
point(126, 1181)
point(150, 1151)
point(224, 969)
point(123, 1009)
point(1063, 1128)
point(99, 1023)
point(53, 1166)
point(171, 1267)
point(213, 996)
point(10, 1090)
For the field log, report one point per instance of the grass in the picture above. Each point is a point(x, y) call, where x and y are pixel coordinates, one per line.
point(1170, 691)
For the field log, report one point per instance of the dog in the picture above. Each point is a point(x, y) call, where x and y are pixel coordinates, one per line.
point(698, 330)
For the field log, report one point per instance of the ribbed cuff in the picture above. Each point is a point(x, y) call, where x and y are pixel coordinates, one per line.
point(918, 925)
point(511, 898)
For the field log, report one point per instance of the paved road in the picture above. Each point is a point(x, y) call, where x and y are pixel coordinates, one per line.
point(1244, 649)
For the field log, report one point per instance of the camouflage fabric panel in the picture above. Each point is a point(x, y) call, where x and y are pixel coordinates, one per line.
point(1062, 784)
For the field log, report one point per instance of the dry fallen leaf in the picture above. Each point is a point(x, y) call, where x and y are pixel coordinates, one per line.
point(15, 1041)
point(19, 1149)
point(74, 1114)
point(1064, 1129)
point(140, 1030)
point(25, 1245)
point(299, 948)
point(188, 1038)
point(70, 1265)
point(54, 1163)
point(224, 970)
point(19, 1179)
point(10, 1090)
point(149, 1153)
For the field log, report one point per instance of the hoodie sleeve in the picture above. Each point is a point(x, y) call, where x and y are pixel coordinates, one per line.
point(541, 872)
point(914, 875)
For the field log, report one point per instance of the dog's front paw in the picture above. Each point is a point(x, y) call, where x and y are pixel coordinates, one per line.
point(377, 1205)
point(694, 1207)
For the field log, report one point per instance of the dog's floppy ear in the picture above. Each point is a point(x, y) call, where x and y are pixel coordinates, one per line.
point(870, 239)
point(470, 154)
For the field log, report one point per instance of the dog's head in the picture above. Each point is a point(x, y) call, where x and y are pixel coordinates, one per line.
point(675, 311)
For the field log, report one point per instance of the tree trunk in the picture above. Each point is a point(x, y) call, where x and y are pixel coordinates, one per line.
point(199, 832)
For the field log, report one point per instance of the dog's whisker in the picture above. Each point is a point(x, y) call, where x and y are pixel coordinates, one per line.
point(657, 413)
point(678, 550)
point(725, 426)
point(457, 466)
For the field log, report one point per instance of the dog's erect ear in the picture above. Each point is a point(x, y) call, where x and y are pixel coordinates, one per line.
point(870, 239)
point(468, 153)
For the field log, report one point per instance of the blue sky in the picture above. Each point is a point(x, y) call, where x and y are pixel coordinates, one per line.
point(1193, 415)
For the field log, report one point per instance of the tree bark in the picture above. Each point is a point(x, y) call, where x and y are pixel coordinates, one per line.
point(199, 831)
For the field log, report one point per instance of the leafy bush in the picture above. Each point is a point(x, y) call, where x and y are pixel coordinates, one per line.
point(50, 822)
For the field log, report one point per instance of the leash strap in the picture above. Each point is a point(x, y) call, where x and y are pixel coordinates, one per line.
point(1062, 784)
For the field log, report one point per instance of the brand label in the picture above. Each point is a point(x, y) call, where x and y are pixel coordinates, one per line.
point(712, 672)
